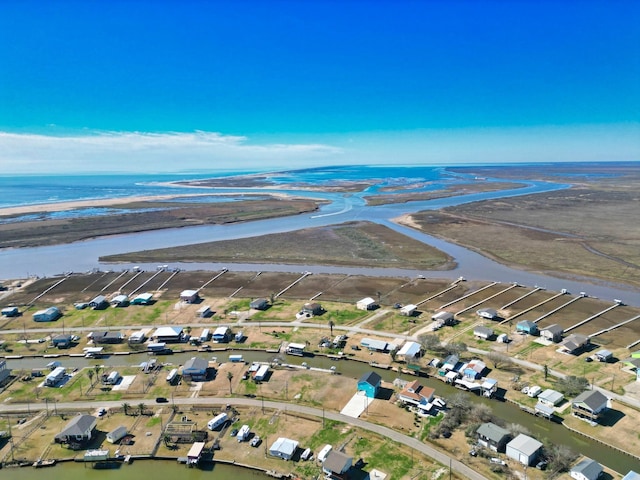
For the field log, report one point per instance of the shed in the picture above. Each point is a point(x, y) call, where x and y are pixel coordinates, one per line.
point(604, 355)
point(524, 449)
point(261, 374)
point(284, 448)
point(483, 332)
point(553, 333)
point(374, 345)
point(10, 312)
point(488, 313)
point(117, 434)
point(47, 315)
point(195, 452)
point(443, 318)
point(190, 296)
point(550, 397)
point(409, 310)
point(410, 350)
point(370, 383)
point(259, 304)
point(493, 436)
point(544, 410)
point(527, 326)
point(586, 469)
point(367, 303)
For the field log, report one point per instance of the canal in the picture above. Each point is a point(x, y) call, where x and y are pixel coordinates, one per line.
point(545, 430)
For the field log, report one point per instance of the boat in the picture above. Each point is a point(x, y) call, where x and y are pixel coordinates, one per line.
point(43, 463)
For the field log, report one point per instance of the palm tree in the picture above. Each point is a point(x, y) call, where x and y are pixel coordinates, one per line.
point(141, 408)
point(331, 325)
point(90, 374)
point(97, 369)
point(230, 377)
point(125, 408)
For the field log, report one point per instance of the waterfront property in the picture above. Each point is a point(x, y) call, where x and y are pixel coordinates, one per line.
point(553, 333)
point(55, 377)
point(586, 469)
point(370, 383)
point(106, 337)
point(167, 334)
point(312, 309)
point(493, 436)
point(284, 448)
point(574, 343)
point(443, 318)
point(528, 327)
point(120, 301)
point(62, 341)
point(367, 303)
point(79, 430)
point(259, 304)
point(296, 349)
point(590, 405)
point(195, 369)
point(195, 453)
point(50, 314)
point(409, 351)
point(99, 303)
point(550, 398)
point(474, 369)
point(222, 335)
point(483, 332)
point(138, 337)
point(117, 434)
point(142, 299)
point(374, 345)
point(488, 313)
point(336, 465)
point(190, 296)
point(409, 310)
point(524, 449)
point(416, 394)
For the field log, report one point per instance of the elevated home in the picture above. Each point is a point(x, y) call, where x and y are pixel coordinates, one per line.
point(312, 309)
point(370, 383)
point(336, 465)
point(50, 314)
point(527, 326)
point(574, 343)
point(483, 332)
point(78, 430)
point(142, 299)
point(120, 301)
point(259, 304)
point(106, 337)
point(524, 449)
point(450, 363)
point(489, 387)
point(284, 448)
point(493, 436)
point(10, 312)
point(296, 349)
point(586, 469)
point(366, 304)
point(488, 313)
point(550, 398)
point(409, 310)
point(189, 296)
point(553, 333)
point(443, 318)
point(416, 394)
point(138, 337)
point(222, 335)
point(195, 369)
point(167, 334)
point(474, 369)
point(374, 345)
point(409, 351)
point(590, 405)
point(99, 303)
point(62, 341)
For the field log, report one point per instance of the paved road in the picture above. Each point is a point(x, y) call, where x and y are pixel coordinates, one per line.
point(411, 442)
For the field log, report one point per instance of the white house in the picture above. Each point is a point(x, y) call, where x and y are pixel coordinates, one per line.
point(409, 310)
point(284, 448)
point(117, 434)
point(586, 469)
point(409, 350)
point(488, 313)
point(550, 397)
point(524, 449)
point(483, 332)
point(366, 304)
point(189, 296)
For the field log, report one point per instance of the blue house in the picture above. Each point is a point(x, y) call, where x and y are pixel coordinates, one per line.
point(48, 315)
point(370, 384)
point(528, 327)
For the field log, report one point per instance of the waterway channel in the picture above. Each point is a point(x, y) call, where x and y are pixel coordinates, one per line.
point(545, 430)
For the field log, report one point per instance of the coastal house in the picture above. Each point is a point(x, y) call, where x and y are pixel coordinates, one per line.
point(78, 430)
point(259, 304)
point(195, 369)
point(189, 296)
point(553, 333)
point(222, 335)
point(296, 349)
point(50, 314)
point(409, 310)
point(524, 449)
point(367, 303)
point(527, 326)
point(62, 341)
point(10, 312)
point(142, 299)
point(106, 337)
point(312, 309)
point(450, 363)
point(474, 369)
point(120, 301)
point(374, 345)
point(167, 335)
point(604, 356)
point(493, 436)
point(590, 405)
point(99, 303)
point(574, 343)
point(489, 387)
point(550, 397)
point(138, 337)
point(416, 394)
point(336, 465)
point(409, 351)
point(488, 313)
point(443, 318)
point(5, 372)
point(586, 469)
point(284, 448)
point(631, 475)
point(483, 332)
point(370, 383)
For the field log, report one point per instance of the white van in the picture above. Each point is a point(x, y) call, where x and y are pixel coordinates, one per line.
point(217, 421)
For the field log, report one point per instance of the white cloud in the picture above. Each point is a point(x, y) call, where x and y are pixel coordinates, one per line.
point(156, 152)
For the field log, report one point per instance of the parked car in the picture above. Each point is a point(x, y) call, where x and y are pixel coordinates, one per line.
point(234, 432)
point(497, 461)
point(161, 400)
point(355, 347)
point(255, 441)
point(102, 412)
point(542, 465)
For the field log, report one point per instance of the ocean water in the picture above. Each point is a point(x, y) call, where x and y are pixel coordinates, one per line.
point(33, 189)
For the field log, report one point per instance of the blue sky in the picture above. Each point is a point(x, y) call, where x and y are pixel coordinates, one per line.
point(260, 83)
